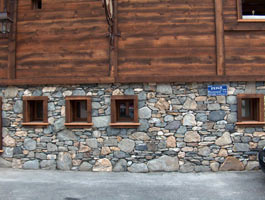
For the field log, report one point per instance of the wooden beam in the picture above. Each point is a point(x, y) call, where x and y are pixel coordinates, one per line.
point(219, 22)
point(12, 43)
point(114, 72)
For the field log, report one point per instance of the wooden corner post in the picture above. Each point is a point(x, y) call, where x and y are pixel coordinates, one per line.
point(12, 42)
point(219, 22)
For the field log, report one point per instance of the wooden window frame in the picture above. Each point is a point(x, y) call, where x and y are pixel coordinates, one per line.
point(1, 135)
point(240, 16)
point(115, 122)
point(260, 111)
point(26, 111)
point(69, 122)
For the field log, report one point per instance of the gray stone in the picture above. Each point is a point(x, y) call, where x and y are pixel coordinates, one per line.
point(66, 135)
point(231, 100)
point(102, 121)
point(190, 104)
point(202, 168)
point(4, 163)
point(144, 113)
point(189, 120)
point(30, 144)
point(109, 142)
point(48, 164)
point(232, 117)
point(216, 116)
point(142, 96)
point(96, 105)
point(139, 136)
point(187, 167)
point(121, 166)
point(113, 131)
point(201, 117)
point(11, 92)
point(58, 94)
point(164, 163)
point(173, 125)
point(64, 161)
point(18, 107)
point(79, 93)
point(205, 151)
point(59, 124)
point(241, 147)
point(51, 106)
point(120, 154)
point(144, 125)
point(138, 168)
point(192, 136)
point(45, 139)
point(164, 88)
point(17, 151)
point(215, 166)
point(182, 130)
point(261, 144)
point(141, 147)
point(6, 122)
point(92, 142)
point(126, 145)
point(51, 147)
point(34, 164)
point(129, 91)
point(225, 139)
point(214, 106)
point(37, 93)
point(169, 118)
point(8, 152)
point(85, 166)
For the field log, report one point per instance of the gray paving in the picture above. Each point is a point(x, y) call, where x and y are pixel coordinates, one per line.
point(59, 185)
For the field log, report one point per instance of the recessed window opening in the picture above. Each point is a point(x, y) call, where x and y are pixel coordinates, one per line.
point(250, 109)
point(79, 108)
point(36, 111)
point(253, 9)
point(36, 4)
point(125, 110)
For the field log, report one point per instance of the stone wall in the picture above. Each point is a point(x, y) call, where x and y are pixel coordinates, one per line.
point(182, 129)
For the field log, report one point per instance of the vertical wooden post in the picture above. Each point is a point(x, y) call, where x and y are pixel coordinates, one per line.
point(115, 53)
point(219, 22)
point(2, 5)
point(12, 42)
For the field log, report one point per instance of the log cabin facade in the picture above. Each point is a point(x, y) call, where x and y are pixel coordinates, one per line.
point(142, 79)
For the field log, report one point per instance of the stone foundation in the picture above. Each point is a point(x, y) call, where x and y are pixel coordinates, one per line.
point(182, 129)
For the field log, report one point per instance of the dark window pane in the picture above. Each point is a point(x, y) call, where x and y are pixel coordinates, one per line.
point(36, 111)
point(246, 108)
point(123, 110)
point(253, 7)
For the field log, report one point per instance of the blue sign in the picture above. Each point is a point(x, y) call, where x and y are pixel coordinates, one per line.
point(217, 90)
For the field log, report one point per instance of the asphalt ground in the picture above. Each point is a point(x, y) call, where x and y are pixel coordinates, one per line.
point(60, 185)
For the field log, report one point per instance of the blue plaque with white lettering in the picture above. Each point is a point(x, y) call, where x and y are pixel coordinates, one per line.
point(217, 90)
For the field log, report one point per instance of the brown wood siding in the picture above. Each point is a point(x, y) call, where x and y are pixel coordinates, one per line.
point(168, 37)
point(3, 58)
point(244, 44)
point(66, 38)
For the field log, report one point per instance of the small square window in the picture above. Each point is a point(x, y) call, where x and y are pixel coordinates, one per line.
point(35, 111)
point(250, 108)
point(124, 111)
point(251, 9)
point(36, 4)
point(78, 111)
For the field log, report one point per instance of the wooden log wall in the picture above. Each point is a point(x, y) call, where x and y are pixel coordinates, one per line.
point(66, 38)
point(166, 38)
point(244, 44)
point(155, 41)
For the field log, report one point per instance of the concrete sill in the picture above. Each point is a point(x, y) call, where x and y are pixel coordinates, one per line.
point(78, 125)
point(125, 125)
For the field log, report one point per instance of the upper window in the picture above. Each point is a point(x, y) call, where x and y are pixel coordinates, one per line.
point(78, 111)
point(251, 9)
point(36, 4)
point(35, 111)
point(124, 111)
point(250, 108)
